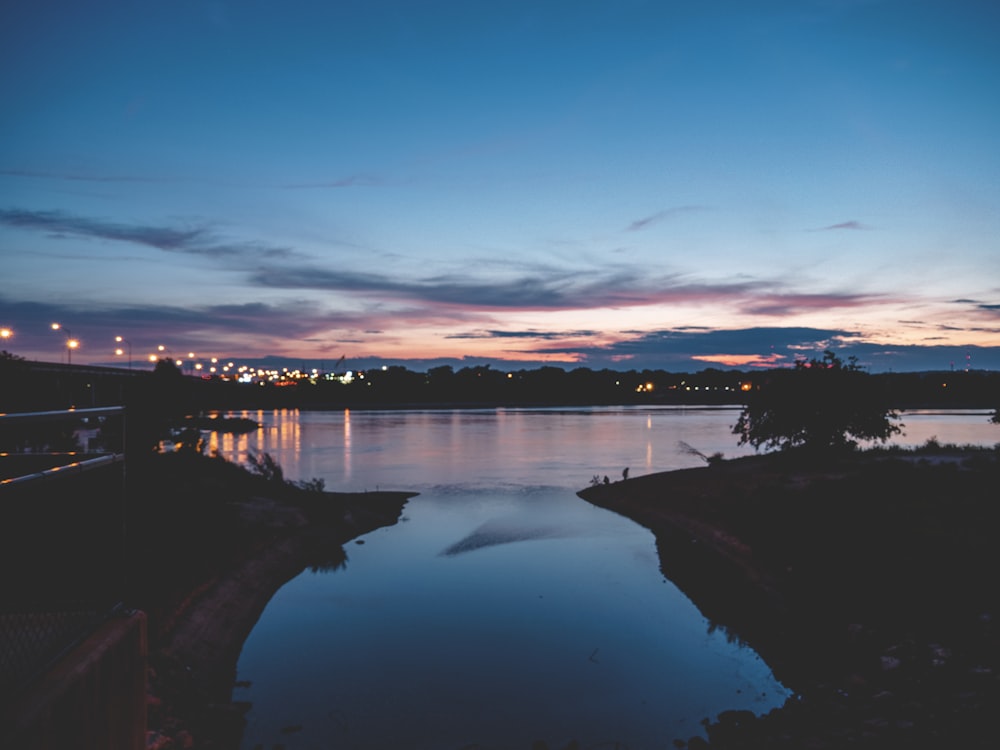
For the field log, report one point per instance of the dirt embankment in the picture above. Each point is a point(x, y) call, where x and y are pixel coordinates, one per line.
point(866, 584)
point(212, 547)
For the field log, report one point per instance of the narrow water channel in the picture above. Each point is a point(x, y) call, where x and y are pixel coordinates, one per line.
point(502, 610)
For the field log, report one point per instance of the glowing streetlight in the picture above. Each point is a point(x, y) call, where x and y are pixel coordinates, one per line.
point(6, 333)
point(71, 343)
point(119, 351)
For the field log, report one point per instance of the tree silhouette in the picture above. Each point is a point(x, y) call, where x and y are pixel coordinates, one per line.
point(821, 404)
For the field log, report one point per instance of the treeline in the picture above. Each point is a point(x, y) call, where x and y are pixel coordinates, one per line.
point(553, 386)
point(541, 386)
point(27, 387)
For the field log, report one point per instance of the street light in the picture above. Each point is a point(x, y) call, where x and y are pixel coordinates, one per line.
point(71, 343)
point(165, 353)
point(6, 333)
point(119, 351)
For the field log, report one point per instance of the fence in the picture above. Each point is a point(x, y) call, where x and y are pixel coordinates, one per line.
point(62, 515)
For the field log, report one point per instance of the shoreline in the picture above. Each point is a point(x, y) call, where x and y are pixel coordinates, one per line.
point(861, 673)
point(874, 658)
point(198, 632)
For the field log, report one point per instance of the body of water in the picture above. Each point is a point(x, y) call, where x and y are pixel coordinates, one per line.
point(502, 610)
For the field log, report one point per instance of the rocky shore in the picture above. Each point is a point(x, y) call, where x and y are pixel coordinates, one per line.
point(866, 582)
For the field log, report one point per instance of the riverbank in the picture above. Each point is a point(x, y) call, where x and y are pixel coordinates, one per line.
point(866, 583)
point(213, 544)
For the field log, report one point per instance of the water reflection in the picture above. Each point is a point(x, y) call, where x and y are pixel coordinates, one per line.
point(506, 610)
point(965, 427)
point(329, 560)
point(500, 531)
point(357, 450)
point(347, 444)
point(554, 625)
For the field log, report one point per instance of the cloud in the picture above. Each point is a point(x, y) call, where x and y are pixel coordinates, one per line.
point(528, 286)
point(742, 360)
point(357, 180)
point(79, 176)
point(191, 241)
point(225, 330)
point(844, 225)
point(501, 531)
point(215, 327)
point(544, 291)
point(791, 304)
point(659, 216)
point(533, 334)
point(741, 348)
point(678, 348)
point(541, 289)
point(989, 308)
point(547, 288)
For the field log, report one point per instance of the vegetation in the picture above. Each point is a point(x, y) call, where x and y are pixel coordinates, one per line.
point(37, 386)
point(690, 450)
point(822, 405)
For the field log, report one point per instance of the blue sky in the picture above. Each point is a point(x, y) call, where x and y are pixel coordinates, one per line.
point(606, 184)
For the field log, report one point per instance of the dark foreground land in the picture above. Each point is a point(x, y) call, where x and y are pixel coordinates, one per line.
point(867, 583)
point(210, 545)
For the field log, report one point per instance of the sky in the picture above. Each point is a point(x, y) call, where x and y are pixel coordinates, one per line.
point(622, 184)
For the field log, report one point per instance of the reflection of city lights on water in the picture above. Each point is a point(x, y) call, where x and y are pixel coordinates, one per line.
point(347, 443)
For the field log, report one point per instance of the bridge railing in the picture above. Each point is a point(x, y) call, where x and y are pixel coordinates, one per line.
point(62, 534)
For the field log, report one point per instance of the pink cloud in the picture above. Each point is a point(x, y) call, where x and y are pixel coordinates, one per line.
point(741, 360)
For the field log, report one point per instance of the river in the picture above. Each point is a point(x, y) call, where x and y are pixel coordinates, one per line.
point(503, 610)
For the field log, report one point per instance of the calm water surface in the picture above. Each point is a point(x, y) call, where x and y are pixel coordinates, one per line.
point(503, 609)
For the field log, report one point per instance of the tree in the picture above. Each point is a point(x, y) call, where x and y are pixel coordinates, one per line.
point(821, 404)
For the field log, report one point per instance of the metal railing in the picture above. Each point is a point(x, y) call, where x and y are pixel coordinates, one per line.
point(62, 516)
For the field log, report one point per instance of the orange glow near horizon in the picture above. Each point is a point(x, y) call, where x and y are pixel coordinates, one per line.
point(741, 360)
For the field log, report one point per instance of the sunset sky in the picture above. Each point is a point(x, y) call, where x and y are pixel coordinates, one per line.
point(621, 184)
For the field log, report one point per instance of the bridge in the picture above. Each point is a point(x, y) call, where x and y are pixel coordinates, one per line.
point(72, 655)
point(37, 386)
